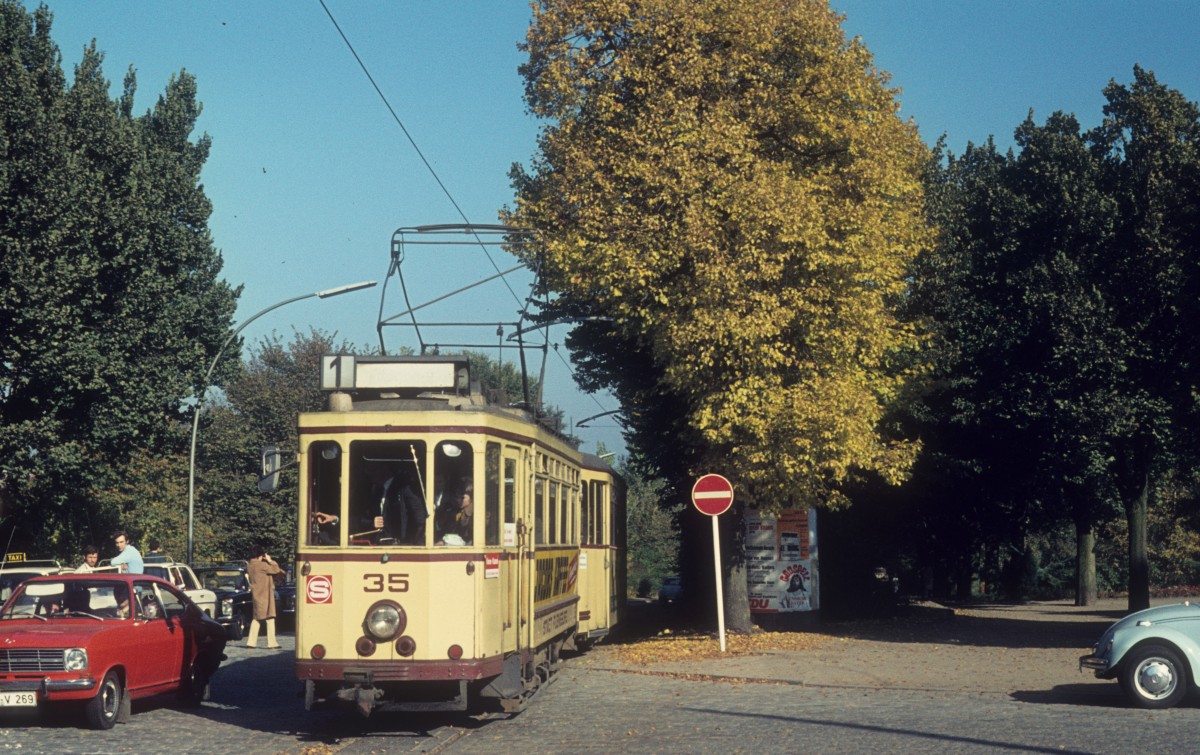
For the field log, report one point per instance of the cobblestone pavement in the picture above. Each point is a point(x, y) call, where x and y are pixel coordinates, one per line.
point(987, 680)
point(590, 710)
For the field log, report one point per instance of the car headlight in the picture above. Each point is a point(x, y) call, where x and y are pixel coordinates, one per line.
point(227, 607)
point(385, 620)
point(76, 659)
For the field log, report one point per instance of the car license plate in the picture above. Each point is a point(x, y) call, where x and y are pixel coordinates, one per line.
point(17, 699)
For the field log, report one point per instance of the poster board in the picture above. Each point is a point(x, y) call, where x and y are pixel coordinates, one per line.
point(781, 561)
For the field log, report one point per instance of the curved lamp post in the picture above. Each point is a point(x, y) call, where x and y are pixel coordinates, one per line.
point(200, 397)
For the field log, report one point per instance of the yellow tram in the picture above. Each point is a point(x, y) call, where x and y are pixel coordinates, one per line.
point(449, 549)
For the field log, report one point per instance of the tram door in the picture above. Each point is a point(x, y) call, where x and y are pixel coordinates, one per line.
point(510, 562)
point(603, 585)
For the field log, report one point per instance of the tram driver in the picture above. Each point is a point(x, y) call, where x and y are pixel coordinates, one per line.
point(393, 510)
point(324, 528)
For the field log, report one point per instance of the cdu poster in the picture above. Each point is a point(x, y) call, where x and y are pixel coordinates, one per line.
point(781, 561)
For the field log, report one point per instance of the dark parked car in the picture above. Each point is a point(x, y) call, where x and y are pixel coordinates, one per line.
point(235, 604)
point(671, 590)
point(285, 602)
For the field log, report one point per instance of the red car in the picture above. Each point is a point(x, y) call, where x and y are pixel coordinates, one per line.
point(104, 639)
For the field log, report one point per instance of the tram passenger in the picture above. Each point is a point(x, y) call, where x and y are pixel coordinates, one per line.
point(394, 509)
point(458, 517)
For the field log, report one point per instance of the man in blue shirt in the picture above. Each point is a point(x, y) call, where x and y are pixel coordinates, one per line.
point(128, 559)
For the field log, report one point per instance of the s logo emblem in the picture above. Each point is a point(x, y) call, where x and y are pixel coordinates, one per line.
point(318, 588)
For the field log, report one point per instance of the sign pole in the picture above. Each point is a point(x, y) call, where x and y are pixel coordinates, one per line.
point(720, 588)
point(713, 495)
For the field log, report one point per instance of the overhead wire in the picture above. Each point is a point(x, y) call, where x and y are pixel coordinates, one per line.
point(411, 141)
point(436, 178)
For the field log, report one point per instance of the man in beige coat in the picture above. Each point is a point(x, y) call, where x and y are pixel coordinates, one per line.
point(263, 573)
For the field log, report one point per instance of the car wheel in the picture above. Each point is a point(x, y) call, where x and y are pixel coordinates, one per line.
point(239, 626)
point(193, 689)
point(102, 710)
point(1153, 676)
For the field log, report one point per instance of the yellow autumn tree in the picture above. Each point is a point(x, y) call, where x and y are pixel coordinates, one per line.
point(729, 185)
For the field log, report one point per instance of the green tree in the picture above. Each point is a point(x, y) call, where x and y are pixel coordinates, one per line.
point(145, 498)
point(109, 295)
point(1025, 354)
point(1150, 144)
point(728, 185)
point(653, 545)
point(1062, 288)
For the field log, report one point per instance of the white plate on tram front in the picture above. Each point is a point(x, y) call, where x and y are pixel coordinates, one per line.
point(17, 699)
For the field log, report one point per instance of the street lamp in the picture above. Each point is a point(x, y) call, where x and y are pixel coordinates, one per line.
point(204, 389)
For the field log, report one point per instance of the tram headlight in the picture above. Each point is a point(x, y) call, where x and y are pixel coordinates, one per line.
point(385, 620)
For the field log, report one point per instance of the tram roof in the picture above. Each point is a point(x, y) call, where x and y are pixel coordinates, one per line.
point(412, 384)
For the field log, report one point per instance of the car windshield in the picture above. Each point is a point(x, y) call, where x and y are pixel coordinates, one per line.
point(223, 579)
point(69, 599)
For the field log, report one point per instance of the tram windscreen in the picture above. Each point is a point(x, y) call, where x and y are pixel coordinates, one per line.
point(388, 497)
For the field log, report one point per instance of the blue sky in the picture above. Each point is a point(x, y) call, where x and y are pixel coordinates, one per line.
point(309, 174)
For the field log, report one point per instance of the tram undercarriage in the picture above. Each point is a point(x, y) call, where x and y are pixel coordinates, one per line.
point(524, 675)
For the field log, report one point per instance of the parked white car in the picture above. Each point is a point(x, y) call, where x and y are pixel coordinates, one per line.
point(1154, 654)
point(182, 576)
point(16, 569)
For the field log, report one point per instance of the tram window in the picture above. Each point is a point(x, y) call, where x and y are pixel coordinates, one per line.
point(583, 515)
point(510, 489)
point(592, 511)
point(454, 494)
point(324, 492)
point(387, 493)
point(491, 517)
point(565, 525)
point(601, 535)
point(539, 512)
point(552, 514)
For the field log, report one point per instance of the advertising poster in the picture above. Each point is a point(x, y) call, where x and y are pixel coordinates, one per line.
point(781, 563)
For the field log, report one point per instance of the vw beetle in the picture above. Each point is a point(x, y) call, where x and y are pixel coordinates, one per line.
point(1154, 654)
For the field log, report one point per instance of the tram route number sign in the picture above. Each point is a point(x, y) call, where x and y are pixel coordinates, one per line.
point(712, 494)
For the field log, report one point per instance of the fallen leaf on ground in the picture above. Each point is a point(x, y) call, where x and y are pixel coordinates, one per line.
point(667, 648)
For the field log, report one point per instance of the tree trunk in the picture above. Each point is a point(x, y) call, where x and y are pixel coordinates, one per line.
point(1139, 564)
point(964, 575)
point(1085, 563)
point(737, 602)
point(733, 571)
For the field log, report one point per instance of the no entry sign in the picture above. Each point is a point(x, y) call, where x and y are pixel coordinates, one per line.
point(712, 494)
